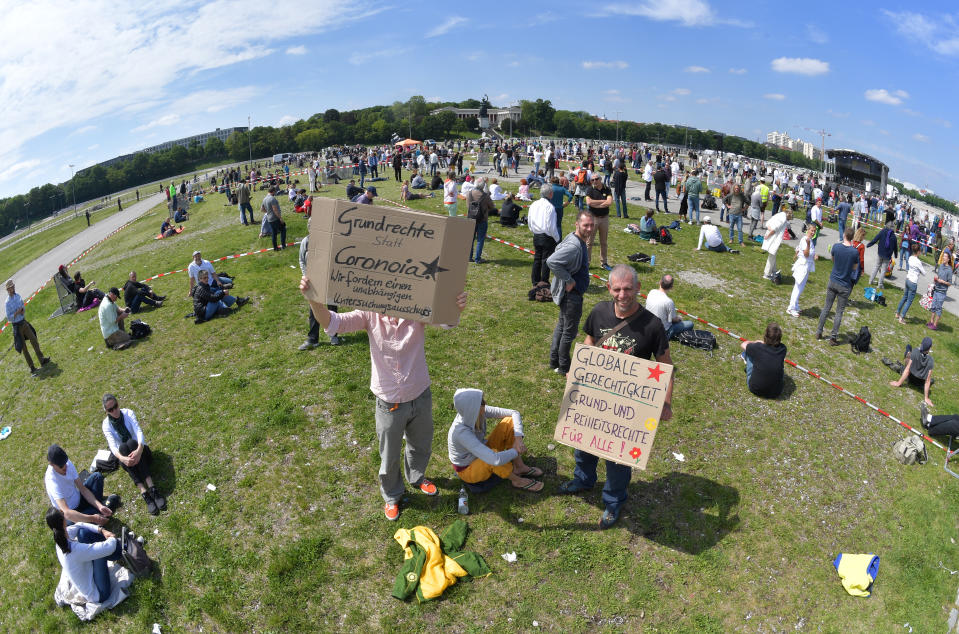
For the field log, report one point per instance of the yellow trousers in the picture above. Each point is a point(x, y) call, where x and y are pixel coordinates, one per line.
point(500, 439)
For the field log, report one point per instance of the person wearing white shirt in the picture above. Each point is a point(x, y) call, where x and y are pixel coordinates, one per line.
point(804, 265)
point(542, 223)
point(125, 440)
point(660, 304)
point(495, 191)
point(648, 177)
point(466, 187)
point(714, 240)
point(449, 193)
point(815, 216)
point(537, 159)
point(79, 501)
point(674, 173)
point(83, 551)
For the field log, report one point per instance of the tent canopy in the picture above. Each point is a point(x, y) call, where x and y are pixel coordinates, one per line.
point(406, 142)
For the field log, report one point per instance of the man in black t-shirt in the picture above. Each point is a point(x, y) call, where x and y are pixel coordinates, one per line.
point(764, 362)
point(642, 337)
point(599, 197)
point(136, 293)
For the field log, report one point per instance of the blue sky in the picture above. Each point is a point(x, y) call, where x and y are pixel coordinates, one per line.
point(85, 81)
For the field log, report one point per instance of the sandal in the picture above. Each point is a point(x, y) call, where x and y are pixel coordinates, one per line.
point(531, 485)
point(532, 472)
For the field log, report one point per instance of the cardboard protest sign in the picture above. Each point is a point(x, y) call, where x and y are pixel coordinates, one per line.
point(392, 261)
point(612, 404)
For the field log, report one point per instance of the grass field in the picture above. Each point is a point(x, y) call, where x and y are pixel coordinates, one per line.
point(739, 537)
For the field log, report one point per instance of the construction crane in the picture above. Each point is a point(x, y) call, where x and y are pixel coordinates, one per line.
point(822, 135)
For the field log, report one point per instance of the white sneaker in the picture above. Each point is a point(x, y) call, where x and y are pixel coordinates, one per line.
point(794, 313)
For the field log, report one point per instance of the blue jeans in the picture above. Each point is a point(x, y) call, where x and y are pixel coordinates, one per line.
point(907, 297)
point(749, 366)
point(736, 223)
point(570, 312)
point(835, 292)
point(720, 248)
point(245, 207)
point(619, 197)
point(479, 238)
point(362, 178)
point(94, 482)
point(101, 574)
point(677, 327)
point(212, 307)
point(665, 200)
point(693, 207)
point(617, 479)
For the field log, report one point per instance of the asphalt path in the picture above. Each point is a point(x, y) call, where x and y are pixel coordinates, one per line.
point(32, 276)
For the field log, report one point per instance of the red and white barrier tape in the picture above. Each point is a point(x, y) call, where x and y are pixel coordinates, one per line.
point(220, 259)
point(811, 373)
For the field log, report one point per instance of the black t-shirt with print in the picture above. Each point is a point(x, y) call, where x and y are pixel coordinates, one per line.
point(643, 337)
point(598, 193)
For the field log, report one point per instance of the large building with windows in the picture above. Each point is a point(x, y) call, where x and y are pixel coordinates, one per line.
point(495, 114)
point(220, 133)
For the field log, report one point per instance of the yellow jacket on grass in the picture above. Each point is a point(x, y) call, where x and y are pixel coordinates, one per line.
point(432, 564)
point(857, 572)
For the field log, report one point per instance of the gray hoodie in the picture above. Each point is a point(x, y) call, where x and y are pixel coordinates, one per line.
point(466, 441)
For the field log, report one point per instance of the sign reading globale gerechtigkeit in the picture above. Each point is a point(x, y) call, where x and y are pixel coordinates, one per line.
point(397, 262)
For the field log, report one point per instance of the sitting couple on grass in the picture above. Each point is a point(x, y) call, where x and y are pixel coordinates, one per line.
point(481, 461)
point(209, 302)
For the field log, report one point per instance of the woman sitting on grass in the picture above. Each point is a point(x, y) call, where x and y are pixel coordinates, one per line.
point(85, 293)
point(83, 551)
point(523, 193)
point(406, 195)
point(476, 458)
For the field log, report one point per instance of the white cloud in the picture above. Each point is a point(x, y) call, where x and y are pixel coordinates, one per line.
point(686, 12)
point(669, 98)
point(286, 120)
point(868, 122)
point(881, 95)
point(110, 59)
point(446, 26)
point(815, 34)
point(737, 71)
point(695, 69)
point(296, 50)
point(938, 33)
point(705, 100)
point(167, 119)
point(611, 91)
point(83, 130)
point(838, 115)
point(922, 138)
point(943, 122)
point(884, 132)
point(213, 100)
point(911, 112)
point(361, 58)
point(775, 96)
point(93, 147)
point(800, 66)
point(681, 91)
point(593, 65)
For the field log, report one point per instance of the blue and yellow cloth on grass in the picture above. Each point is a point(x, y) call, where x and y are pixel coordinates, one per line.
point(432, 564)
point(857, 572)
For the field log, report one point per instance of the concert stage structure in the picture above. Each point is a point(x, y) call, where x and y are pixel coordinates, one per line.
point(858, 171)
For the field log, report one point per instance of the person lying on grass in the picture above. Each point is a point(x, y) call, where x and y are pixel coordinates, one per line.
point(476, 457)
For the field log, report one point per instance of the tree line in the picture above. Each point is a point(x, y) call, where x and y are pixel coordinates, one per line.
point(368, 126)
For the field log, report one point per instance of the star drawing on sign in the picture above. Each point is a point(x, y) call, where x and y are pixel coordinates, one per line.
point(432, 268)
point(655, 373)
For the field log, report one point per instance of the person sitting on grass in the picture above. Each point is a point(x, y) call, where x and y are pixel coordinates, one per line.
point(418, 182)
point(944, 425)
point(199, 264)
point(918, 367)
point(306, 208)
point(477, 458)
point(714, 240)
point(510, 212)
point(647, 226)
point(136, 293)
point(181, 215)
point(496, 192)
point(764, 363)
point(83, 551)
point(85, 293)
point(167, 230)
point(79, 501)
point(129, 449)
point(366, 198)
point(209, 302)
point(352, 191)
point(523, 193)
point(406, 195)
point(111, 321)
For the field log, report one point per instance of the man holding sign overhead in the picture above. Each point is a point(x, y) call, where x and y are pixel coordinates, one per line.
point(626, 327)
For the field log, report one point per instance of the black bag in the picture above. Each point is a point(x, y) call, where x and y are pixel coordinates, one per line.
point(665, 237)
point(638, 257)
point(700, 339)
point(862, 340)
point(135, 557)
point(139, 329)
point(473, 209)
point(540, 293)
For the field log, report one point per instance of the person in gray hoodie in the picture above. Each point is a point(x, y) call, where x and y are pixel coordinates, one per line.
point(476, 457)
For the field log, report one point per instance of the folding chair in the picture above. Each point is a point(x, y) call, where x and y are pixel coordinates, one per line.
point(68, 301)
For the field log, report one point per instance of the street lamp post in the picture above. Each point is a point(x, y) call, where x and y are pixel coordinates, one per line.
point(249, 138)
point(617, 125)
point(73, 186)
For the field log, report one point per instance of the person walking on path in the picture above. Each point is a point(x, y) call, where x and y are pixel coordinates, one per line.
point(914, 270)
point(845, 258)
point(22, 330)
point(886, 239)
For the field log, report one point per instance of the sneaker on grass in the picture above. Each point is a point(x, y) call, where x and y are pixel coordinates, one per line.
point(427, 487)
point(392, 511)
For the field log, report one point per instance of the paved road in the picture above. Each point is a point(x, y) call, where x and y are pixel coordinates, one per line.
point(32, 276)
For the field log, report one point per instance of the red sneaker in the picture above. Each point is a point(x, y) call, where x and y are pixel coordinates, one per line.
point(392, 511)
point(427, 487)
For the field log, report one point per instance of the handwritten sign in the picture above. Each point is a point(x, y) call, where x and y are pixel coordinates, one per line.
point(392, 261)
point(612, 404)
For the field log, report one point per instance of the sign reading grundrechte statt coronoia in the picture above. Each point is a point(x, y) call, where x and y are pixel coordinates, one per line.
point(397, 262)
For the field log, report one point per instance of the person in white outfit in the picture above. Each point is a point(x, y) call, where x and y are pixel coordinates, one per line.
point(775, 229)
point(804, 265)
point(83, 551)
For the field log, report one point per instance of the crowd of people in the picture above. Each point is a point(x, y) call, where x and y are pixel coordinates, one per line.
point(595, 184)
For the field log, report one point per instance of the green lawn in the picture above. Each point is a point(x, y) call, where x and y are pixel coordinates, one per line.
point(740, 536)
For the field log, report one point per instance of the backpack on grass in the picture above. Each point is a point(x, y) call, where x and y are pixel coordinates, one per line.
point(910, 450)
point(139, 329)
point(862, 341)
point(665, 237)
point(135, 557)
point(699, 339)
